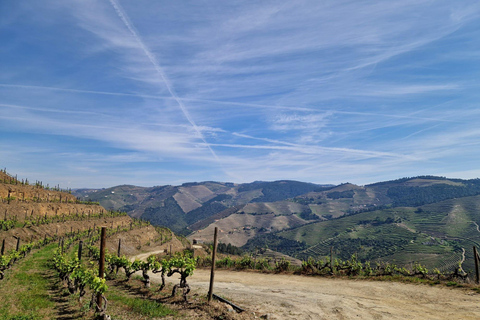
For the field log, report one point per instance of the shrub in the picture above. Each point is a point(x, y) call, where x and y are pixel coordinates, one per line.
point(282, 265)
point(246, 262)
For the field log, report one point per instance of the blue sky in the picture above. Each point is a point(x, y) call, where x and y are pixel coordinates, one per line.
point(96, 93)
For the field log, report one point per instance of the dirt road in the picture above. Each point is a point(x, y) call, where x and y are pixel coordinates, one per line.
point(299, 297)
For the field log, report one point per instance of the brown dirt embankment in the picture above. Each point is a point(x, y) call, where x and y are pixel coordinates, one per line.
point(143, 242)
point(20, 210)
point(29, 192)
point(22, 202)
point(33, 233)
point(174, 245)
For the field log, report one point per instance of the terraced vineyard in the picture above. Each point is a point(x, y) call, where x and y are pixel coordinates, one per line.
point(433, 235)
point(45, 275)
point(320, 250)
point(449, 262)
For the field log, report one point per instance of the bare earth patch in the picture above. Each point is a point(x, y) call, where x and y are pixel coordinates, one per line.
point(300, 297)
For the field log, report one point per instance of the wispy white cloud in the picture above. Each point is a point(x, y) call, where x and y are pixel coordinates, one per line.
point(159, 97)
point(47, 110)
point(287, 122)
point(318, 150)
point(175, 143)
point(401, 90)
point(123, 16)
point(245, 91)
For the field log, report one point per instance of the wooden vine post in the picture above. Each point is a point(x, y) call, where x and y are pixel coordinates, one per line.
point(101, 263)
point(475, 256)
point(212, 273)
point(118, 253)
point(331, 258)
point(119, 247)
point(80, 245)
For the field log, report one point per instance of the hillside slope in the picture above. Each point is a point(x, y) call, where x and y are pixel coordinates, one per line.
point(427, 219)
point(438, 235)
point(33, 212)
point(180, 207)
point(42, 232)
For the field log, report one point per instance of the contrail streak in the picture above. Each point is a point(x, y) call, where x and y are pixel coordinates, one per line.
point(147, 96)
point(13, 106)
point(313, 149)
point(126, 21)
point(240, 104)
point(322, 150)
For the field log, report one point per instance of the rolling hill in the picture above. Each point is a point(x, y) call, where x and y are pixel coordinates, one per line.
point(427, 219)
point(182, 207)
point(50, 258)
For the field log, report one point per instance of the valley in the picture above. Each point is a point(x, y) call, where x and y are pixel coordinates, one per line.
point(45, 274)
point(425, 225)
point(426, 219)
point(317, 159)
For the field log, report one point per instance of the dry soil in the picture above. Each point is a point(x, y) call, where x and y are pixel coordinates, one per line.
point(300, 297)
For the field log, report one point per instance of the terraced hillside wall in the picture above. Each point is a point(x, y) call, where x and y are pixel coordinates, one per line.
point(37, 212)
point(29, 193)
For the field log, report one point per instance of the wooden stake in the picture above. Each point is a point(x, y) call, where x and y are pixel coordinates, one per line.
point(331, 258)
point(119, 247)
point(101, 263)
point(80, 245)
point(3, 247)
point(475, 256)
point(212, 273)
point(118, 252)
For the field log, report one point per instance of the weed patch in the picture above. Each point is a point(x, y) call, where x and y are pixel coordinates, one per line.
point(142, 306)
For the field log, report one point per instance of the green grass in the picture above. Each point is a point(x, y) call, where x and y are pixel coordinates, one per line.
point(25, 288)
point(22, 317)
point(141, 306)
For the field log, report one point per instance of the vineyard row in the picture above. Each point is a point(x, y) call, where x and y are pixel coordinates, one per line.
point(31, 220)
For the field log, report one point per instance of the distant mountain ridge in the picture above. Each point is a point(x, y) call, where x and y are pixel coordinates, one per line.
point(179, 207)
point(425, 218)
point(185, 207)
